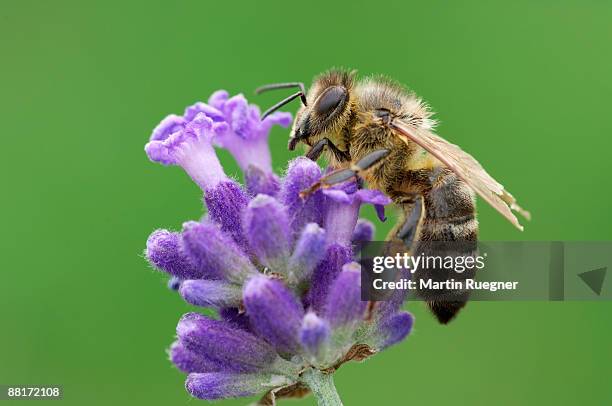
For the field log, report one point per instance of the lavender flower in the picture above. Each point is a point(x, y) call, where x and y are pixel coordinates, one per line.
point(278, 269)
point(176, 141)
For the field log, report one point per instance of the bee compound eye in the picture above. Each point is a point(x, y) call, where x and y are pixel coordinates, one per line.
point(329, 100)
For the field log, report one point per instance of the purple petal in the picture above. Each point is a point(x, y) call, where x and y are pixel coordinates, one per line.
point(218, 99)
point(207, 293)
point(340, 221)
point(171, 124)
point(234, 349)
point(215, 253)
point(267, 228)
point(189, 361)
point(260, 182)
point(237, 113)
point(339, 196)
point(247, 139)
point(226, 203)
point(343, 210)
point(344, 306)
point(376, 198)
point(326, 272)
point(274, 312)
point(372, 197)
point(164, 252)
point(309, 251)
point(314, 333)
point(278, 118)
point(301, 174)
point(380, 212)
point(250, 153)
point(209, 111)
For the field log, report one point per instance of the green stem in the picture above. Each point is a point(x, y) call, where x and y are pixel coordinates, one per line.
point(322, 387)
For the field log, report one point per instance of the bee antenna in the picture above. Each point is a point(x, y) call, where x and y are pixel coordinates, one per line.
point(301, 94)
point(274, 86)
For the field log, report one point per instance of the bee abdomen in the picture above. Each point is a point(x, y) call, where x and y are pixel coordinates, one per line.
point(457, 228)
point(449, 228)
point(450, 209)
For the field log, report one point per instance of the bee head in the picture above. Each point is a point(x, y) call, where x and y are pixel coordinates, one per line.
point(325, 108)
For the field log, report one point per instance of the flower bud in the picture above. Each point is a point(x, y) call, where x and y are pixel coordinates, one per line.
point(363, 233)
point(210, 293)
point(274, 312)
point(226, 203)
point(213, 386)
point(325, 273)
point(235, 349)
point(164, 252)
point(344, 306)
point(309, 251)
point(189, 361)
point(267, 229)
point(301, 174)
point(212, 250)
point(314, 334)
point(394, 329)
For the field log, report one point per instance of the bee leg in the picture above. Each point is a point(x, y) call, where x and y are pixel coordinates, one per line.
point(343, 175)
point(370, 160)
point(318, 148)
point(410, 230)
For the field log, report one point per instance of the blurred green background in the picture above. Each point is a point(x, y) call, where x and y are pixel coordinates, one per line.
point(525, 86)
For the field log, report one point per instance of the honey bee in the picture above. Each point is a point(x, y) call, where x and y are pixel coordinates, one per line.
point(379, 131)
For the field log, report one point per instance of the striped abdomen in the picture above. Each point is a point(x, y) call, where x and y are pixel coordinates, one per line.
point(447, 228)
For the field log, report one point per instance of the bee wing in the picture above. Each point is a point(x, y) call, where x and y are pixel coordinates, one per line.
point(466, 167)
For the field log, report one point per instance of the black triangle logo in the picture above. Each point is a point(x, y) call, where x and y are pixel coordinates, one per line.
point(594, 279)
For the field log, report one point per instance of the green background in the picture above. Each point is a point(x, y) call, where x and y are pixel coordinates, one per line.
point(524, 86)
